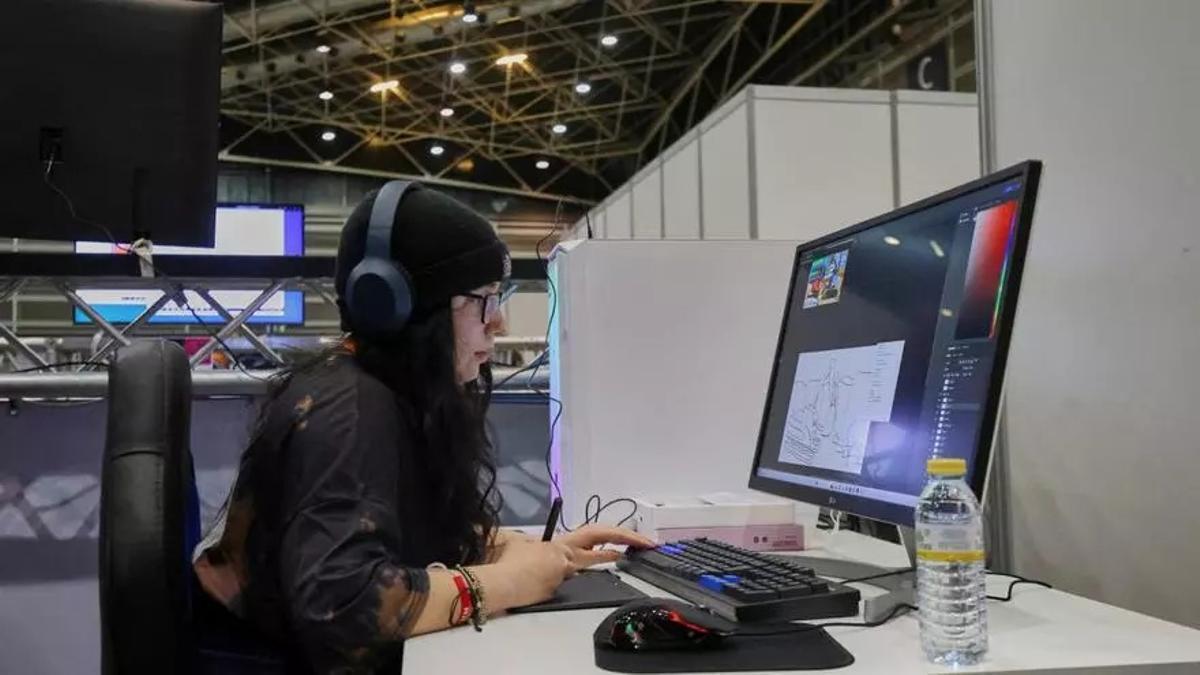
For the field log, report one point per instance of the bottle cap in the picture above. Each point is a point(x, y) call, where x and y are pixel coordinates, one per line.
point(946, 467)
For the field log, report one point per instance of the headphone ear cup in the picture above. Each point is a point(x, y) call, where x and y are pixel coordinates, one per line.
point(379, 297)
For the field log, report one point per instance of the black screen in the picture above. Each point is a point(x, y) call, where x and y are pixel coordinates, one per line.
point(888, 352)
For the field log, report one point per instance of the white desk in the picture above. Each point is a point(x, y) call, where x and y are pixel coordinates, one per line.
point(1040, 630)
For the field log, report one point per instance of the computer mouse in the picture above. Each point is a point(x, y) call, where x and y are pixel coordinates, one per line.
point(659, 624)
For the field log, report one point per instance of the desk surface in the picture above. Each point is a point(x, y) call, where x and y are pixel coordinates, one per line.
point(1040, 630)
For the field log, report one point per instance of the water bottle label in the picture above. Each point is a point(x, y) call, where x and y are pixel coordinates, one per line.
point(948, 543)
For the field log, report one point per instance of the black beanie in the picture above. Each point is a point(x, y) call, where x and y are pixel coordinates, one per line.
point(447, 248)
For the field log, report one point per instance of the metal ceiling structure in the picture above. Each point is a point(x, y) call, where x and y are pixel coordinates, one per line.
point(551, 98)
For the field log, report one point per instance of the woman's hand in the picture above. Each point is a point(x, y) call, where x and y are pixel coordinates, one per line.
point(582, 543)
point(533, 570)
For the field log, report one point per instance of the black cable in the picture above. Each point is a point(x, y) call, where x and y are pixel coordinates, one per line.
point(52, 366)
point(872, 624)
point(549, 448)
point(1017, 581)
point(181, 297)
point(217, 336)
point(528, 367)
point(881, 575)
point(589, 517)
point(536, 365)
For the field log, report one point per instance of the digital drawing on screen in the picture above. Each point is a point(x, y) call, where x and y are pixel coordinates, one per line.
point(836, 395)
point(991, 246)
point(825, 279)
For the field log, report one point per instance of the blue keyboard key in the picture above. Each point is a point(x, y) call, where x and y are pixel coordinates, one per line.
point(712, 583)
point(731, 578)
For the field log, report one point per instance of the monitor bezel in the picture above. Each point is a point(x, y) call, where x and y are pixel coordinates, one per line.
point(1030, 173)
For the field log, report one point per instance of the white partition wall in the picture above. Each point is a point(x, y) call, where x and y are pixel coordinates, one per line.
point(648, 203)
point(798, 163)
point(662, 367)
point(619, 216)
point(934, 146)
point(1103, 379)
point(725, 173)
point(681, 190)
point(823, 159)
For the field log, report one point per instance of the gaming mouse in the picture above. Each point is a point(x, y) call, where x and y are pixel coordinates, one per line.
point(659, 624)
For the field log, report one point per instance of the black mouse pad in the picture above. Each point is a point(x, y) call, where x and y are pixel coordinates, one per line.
point(779, 647)
point(590, 589)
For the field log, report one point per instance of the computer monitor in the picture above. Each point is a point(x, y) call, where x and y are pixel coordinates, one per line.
point(241, 229)
point(892, 349)
point(112, 105)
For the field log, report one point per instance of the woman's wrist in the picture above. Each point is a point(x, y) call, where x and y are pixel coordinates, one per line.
point(498, 587)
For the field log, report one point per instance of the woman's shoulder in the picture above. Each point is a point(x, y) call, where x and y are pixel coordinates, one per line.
point(334, 390)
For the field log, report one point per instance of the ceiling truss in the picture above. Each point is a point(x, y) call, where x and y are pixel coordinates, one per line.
point(673, 62)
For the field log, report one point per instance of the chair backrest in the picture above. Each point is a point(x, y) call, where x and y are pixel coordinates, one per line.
point(147, 512)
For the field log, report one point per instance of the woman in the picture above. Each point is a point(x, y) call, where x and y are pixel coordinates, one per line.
point(365, 508)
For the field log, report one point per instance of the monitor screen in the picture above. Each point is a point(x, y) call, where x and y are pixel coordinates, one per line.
point(241, 229)
point(892, 350)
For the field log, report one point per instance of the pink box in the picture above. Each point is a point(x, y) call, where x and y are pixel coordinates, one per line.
point(782, 537)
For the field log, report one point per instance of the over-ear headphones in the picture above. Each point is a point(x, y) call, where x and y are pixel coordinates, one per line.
point(379, 291)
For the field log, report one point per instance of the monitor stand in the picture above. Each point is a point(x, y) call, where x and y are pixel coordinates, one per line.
point(900, 587)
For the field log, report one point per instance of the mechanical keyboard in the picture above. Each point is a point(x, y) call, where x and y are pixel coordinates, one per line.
point(738, 584)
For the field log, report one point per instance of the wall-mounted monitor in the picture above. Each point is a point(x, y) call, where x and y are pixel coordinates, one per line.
point(241, 230)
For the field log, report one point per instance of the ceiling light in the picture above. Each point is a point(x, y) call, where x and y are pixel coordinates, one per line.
point(323, 49)
point(559, 128)
point(937, 249)
point(583, 88)
point(542, 164)
point(891, 240)
point(436, 150)
point(387, 85)
point(328, 136)
point(325, 95)
point(609, 40)
point(469, 13)
point(510, 59)
point(458, 67)
point(447, 112)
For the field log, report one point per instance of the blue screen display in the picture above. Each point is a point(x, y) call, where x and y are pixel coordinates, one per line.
point(241, 229)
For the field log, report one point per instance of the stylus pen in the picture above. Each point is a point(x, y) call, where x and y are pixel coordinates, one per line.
point(555, 509)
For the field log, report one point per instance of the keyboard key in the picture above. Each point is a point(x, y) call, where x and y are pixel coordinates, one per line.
point(656, 559)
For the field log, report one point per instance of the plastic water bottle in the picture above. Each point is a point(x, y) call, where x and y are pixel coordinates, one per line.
point(951, 578)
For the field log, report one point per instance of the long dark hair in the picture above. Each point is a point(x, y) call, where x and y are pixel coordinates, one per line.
point(456, 456)
point(447, 418)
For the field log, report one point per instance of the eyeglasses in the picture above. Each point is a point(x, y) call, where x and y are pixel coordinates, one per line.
point(491, 303)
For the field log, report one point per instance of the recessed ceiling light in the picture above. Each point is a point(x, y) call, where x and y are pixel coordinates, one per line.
point(387, 85)
point(323, 49)
point(542, 164)
point(328, 136)
point(511, 59)
point(325, 95)
point(609, 40)
point(447, 112)
point(583, 88)
point(436, 150)
point(559, 128)
point(469, 13)
point(458, 67)
point(891, 240)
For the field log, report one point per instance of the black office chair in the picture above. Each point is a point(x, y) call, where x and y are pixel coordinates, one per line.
point(148, 513)
point(149, 524)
